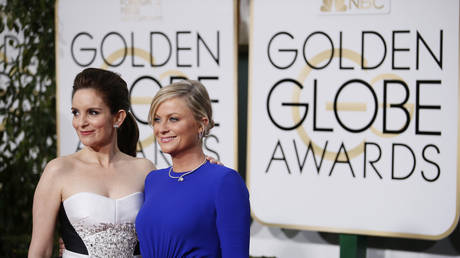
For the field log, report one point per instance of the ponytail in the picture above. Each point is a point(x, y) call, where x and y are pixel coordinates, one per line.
point(114, 92)
point(128, 135)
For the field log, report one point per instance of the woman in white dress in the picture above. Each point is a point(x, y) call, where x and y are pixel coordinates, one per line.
point(97, 191)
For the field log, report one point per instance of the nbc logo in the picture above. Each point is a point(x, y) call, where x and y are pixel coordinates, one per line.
point(354, 6)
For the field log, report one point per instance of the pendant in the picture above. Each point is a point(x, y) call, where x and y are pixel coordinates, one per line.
point(180, 179)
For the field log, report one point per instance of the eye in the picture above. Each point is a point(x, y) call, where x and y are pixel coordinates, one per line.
point(93, 112)
point(173, 119)
point(75, 112)
point(156, 119)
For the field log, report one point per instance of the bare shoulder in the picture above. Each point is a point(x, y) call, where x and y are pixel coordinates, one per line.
point(59, 166)
point(145, 165)
point(53, 176)
point(141, 165)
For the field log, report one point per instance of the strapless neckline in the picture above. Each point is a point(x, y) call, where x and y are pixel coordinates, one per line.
point(102, 226)
point(100, 196)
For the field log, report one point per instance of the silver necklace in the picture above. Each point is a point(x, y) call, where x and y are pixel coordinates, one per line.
point(181, 177)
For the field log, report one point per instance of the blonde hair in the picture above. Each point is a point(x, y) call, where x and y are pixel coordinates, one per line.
point(195, 96)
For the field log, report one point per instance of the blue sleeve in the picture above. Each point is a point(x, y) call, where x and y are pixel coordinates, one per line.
point(233, 216)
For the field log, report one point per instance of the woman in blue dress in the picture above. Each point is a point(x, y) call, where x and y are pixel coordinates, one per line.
point(193, 208)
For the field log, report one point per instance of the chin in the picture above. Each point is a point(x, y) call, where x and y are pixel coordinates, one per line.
point(166, 150)
point(89, 145)
point(92, 143)
point(86, 143)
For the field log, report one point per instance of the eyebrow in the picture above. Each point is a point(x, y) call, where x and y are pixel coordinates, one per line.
point(98, 108)
point(170, 114)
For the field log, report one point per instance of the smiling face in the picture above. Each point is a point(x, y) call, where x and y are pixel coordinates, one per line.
point(92, 119)
point(176, 128)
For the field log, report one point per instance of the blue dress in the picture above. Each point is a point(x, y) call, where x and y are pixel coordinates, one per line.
point(206, 215)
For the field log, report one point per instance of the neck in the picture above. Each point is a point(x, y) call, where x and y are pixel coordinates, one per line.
point(104, 156)
point(188, 161)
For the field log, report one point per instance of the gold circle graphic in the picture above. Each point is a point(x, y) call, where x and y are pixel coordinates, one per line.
point(358, 149)
point(141, 100)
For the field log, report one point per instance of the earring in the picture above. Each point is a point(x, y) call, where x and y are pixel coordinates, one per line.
point(200, 135)
point(115, 126)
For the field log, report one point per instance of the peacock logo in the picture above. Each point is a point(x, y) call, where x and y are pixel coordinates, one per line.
point(354, 6)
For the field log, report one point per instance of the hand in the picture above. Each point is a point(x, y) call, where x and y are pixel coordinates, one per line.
point(61, 247)
point(213, 160)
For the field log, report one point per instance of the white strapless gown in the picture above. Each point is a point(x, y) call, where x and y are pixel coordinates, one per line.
point(105, 225)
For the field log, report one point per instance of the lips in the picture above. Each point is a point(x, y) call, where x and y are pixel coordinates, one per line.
point(167, 139)
point(84, 133)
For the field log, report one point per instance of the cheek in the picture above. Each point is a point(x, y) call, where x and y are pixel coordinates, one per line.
point(101, 123)
point(190, 131)
point(183, 130)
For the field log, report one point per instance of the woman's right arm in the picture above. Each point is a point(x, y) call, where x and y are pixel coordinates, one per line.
point(47, 199)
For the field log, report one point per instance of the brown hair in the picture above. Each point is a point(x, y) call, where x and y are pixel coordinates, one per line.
point(114, 92)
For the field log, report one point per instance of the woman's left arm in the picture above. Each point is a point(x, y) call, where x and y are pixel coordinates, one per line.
point(233, 216)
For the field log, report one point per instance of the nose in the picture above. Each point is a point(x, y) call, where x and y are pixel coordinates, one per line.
point(161, 127)
point(82, 120)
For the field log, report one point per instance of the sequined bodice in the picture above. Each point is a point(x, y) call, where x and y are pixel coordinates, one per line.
point(105, 225)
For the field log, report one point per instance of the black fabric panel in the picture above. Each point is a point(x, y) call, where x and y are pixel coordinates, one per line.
point(137, 250)
point(72, 240)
